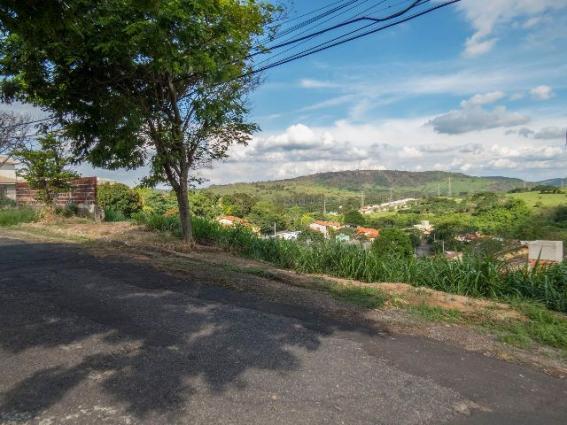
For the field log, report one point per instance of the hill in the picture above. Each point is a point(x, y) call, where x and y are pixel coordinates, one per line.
point(403, 182)
point(554, 182)
point(376, 185)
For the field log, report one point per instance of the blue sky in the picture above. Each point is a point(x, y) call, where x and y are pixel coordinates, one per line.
point(478, 87)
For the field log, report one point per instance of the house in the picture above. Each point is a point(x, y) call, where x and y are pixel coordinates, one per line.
point(230, 220)
point(469, 237)
point(367, 233)
point(288, 235)
point(387, 206)
point(7, 178)
point(425, 227)
point(325, 227)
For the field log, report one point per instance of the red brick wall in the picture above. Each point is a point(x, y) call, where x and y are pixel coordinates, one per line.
point(83, 192)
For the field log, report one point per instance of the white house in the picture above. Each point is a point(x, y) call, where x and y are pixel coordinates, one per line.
point(325, 227)
point(7, 178)
point(288, 235)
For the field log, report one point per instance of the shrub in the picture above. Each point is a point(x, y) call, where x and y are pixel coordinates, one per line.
point(13, 216)
point(393, 242)
point(119, 199)
point(355, 218)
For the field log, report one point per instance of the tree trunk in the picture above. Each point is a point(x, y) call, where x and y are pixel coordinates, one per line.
point(185, 213)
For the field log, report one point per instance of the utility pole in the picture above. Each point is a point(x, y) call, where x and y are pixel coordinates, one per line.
point(275, 229)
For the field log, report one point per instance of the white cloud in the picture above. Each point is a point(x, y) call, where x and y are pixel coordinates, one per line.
point(475, 118)
point(542, 92)
point(316, 84)
point(483, 99)
point(487, 17)
point(403, 144)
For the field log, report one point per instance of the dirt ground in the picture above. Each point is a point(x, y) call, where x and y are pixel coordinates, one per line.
point(223, 269)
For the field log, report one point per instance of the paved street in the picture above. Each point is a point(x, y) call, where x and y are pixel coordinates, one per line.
point(85, 340)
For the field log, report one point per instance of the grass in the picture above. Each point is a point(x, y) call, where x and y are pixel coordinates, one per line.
point(15, 216)
point(539, 325)
point(473, 276)
point(542, 200)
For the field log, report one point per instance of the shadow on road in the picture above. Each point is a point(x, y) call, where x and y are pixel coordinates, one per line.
point(149, 340)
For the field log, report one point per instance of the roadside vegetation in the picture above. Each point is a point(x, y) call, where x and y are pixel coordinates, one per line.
point(13, 216)
point(477, 276)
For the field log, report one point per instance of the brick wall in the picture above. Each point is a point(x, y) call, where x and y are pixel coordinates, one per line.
point(82, 193)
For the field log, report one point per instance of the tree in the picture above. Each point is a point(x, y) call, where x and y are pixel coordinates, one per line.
point(45, 169)
point(118, 198)
point(13, 134)
point(238, 204)
point(355, 218)
point(393, 242)
point(158, 82)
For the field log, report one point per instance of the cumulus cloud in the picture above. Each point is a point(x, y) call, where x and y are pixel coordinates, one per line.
point(475, 118)
point(542, 92)
point(487, 16)
point(546, 133)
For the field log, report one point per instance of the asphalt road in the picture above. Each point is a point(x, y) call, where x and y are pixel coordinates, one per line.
point(89, 341)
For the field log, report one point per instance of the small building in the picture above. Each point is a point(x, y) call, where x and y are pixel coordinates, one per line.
point(288, 235)
point(424, 227)
point(368, 233)
point(387, 206)
point(325, 227)
point(342, 237)
point(8, 178)
point(545, 252)
point(469, 237)
point(230, 220)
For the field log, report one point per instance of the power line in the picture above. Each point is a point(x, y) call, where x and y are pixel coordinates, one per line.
point(326, 45)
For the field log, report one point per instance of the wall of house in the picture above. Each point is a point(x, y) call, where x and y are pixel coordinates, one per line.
point(82, 194)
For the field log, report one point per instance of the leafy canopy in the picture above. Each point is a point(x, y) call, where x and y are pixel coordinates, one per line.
point(133, 82)
point(45, 169)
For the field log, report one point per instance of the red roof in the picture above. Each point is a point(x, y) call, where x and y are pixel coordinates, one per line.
point(368, 232)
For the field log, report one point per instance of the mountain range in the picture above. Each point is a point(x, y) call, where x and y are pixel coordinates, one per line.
point(381, 181)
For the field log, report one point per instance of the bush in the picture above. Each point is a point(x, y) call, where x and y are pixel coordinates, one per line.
point(118, 199)
point(354, 218)
point(13, 216)
point(7, 203)
point(393, 242)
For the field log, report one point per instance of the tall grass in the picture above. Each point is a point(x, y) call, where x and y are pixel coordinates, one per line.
point(473, 275)
point(13, 216)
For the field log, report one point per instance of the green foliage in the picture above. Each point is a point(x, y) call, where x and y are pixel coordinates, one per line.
point(13, 216)
point(118, 201)
point(138, 82)
point(45, 169)
point(354, 217)
point(205, 204)
point(156, 201)
point(393, 242)
point(264, 214)
point(238, 204)
point(473, 276)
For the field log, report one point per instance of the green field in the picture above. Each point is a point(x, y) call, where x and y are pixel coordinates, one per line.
point(538, 200)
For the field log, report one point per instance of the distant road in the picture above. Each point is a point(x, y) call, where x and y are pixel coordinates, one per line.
point(85, 340)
